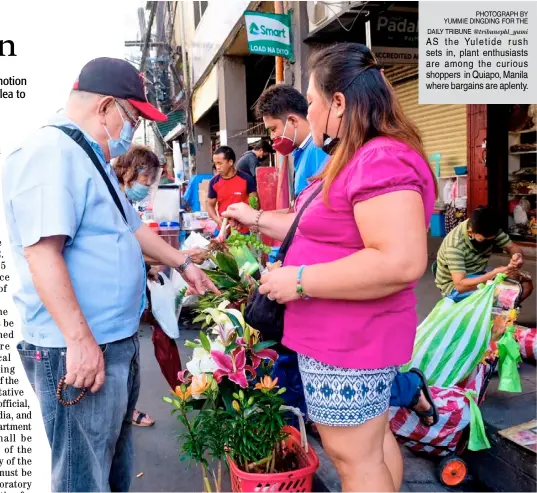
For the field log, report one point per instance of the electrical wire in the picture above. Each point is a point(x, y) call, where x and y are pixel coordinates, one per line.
point(339, 21)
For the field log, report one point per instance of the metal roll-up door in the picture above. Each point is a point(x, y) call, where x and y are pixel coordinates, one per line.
point(442, 126)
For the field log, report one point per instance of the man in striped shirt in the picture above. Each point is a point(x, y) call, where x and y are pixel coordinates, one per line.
point(464, 254)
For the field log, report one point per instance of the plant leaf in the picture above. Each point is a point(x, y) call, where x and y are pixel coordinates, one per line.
point(227, 264)
point(192, 345)
point(263, 345)
point(236, 324)
point(205, 343)
point(231, 348)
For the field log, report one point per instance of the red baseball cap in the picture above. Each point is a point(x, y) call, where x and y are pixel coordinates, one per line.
point(118, 78)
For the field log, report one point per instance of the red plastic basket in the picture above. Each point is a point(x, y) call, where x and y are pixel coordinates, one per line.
point(299, 480)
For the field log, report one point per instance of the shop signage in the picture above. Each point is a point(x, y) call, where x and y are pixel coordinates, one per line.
point(269, 34)
point(394, 37)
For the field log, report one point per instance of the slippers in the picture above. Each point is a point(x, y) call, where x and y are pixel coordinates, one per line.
point(139, 421)
point(433, 411)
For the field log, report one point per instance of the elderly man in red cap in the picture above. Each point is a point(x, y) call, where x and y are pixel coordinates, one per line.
point(79, 249)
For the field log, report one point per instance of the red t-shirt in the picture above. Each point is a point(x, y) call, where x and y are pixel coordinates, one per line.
point(229, 191)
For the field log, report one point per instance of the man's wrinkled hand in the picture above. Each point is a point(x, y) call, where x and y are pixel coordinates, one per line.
point(85, 365)
point(198, 255)
point(198, 282)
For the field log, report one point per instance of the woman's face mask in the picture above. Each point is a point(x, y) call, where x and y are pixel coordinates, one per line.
point(118, 147)
point(137, 191)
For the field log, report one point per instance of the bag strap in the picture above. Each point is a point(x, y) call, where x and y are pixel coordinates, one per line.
point(292, 231)
point(78, 137)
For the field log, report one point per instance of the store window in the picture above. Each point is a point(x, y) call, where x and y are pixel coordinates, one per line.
point(522, 172)
point(199, 10)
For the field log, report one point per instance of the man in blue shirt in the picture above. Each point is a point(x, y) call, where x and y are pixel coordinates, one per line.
point(78, 247)
point(284, 111)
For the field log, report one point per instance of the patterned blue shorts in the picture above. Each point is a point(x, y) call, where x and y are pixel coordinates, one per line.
point(344, 397)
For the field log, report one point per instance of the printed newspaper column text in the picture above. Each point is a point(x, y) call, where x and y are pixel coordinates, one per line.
point(478, 53)
point(12, 87)
point(15, 414)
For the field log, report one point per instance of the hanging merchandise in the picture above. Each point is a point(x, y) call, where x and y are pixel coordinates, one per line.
point(527, 340)
point(456, 207)
point(509, 359)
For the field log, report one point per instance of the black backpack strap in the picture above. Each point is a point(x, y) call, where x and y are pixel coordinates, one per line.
point(292, 230)
point(78, 137)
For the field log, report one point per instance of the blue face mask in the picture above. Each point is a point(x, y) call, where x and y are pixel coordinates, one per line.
point(137, 192)
point(120, 146)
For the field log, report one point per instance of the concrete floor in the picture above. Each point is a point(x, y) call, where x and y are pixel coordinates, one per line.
point(157, 454)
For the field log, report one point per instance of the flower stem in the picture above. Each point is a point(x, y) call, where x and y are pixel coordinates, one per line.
point(219, 474)
point(206, 479)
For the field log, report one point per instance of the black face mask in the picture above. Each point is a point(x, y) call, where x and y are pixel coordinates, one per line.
point(330, 144)
point(481, 246)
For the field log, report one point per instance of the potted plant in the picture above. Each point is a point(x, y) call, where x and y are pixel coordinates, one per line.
point(232, 410)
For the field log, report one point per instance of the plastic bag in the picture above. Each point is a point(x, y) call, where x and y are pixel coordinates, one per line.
point(245, 259)
point(527, 340)
point(163, 305)
point(452, 340)
point(478, 437)
point(509, 359)
point(456, 413)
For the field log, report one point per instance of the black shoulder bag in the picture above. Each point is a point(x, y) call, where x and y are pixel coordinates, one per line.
point(267, 315)
point(78, 137)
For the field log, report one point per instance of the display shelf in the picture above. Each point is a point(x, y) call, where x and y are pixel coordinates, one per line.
point(522, 153)
point(522, 194)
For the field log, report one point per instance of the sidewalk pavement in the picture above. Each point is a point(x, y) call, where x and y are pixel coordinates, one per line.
point(156, 452)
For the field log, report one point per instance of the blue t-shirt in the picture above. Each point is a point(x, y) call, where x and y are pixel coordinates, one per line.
point(309, 161)
point(52, 188)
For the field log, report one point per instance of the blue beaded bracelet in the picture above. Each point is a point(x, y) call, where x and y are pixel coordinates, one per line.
point(299, 287)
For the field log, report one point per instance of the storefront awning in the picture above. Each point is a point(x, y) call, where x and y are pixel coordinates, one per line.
point(205, 95)
point(173, 126)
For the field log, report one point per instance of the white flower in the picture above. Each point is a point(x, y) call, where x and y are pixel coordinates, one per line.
point(202, 361)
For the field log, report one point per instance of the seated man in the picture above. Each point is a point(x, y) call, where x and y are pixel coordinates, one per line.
point(463, 256)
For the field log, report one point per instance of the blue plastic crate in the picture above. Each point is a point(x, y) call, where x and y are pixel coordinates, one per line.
point(438, 224)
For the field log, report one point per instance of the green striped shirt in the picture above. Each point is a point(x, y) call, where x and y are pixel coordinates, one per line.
point(456, 254)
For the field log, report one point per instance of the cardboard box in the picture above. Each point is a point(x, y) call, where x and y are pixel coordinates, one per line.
point(203, 190)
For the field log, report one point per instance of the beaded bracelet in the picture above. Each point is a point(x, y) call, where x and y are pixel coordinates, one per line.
point(255, 227)
point(61, 387)
point(299, 287)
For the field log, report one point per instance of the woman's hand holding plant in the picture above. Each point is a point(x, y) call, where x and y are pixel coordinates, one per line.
point(280, 284)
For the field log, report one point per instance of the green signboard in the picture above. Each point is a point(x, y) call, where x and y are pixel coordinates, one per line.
point(269, 34)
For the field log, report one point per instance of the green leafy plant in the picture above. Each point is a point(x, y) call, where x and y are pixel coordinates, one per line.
point(227, 403)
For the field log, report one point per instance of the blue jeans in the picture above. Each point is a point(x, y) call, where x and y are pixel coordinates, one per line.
point(286, 370)
point(91, 442)
point(405, 388)
point(456, 296)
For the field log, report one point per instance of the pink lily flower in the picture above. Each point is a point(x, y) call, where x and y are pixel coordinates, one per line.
point(258, 356)
point(184, 377)
point(232, 366)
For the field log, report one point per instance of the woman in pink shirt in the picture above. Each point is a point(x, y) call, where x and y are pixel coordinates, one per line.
point(361, 245)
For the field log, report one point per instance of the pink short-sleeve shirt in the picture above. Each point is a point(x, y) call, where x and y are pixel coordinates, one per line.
point(355, 334)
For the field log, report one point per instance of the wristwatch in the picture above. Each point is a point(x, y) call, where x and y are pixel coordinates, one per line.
point(183, 266)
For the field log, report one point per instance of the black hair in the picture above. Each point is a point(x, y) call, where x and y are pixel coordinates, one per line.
point(484, 221)
point(227, 151)
point(279, 101)
point(263, 145)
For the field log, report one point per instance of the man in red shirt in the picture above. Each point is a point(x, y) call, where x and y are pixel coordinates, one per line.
point(229, 186)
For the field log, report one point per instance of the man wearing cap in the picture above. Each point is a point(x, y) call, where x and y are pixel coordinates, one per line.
point(75, 241)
